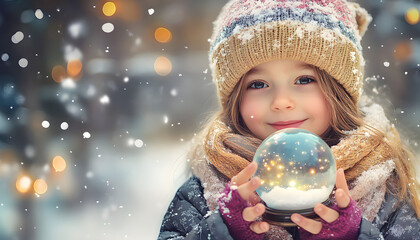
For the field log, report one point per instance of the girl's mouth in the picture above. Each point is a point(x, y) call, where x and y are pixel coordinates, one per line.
point(287, 124)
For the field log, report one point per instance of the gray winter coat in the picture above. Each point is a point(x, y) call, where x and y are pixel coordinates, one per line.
point(188, 217)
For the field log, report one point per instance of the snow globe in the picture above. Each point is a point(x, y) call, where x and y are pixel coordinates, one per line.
point(297, 171)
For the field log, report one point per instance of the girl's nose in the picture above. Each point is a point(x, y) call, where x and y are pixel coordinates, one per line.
point(282, 102)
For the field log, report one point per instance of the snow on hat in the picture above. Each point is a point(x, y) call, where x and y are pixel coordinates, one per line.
point(323, 33)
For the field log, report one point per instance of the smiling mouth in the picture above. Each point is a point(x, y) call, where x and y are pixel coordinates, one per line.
point(287, 124)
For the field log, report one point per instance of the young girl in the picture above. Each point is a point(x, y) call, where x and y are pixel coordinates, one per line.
point(294, 63)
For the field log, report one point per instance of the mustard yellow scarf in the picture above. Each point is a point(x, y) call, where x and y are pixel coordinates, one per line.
point(230, 153)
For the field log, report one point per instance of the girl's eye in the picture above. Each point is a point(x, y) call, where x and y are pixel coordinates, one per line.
point(258, 85)
point(305, 80)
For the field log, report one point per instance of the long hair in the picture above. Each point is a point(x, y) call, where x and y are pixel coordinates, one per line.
point(345, 116)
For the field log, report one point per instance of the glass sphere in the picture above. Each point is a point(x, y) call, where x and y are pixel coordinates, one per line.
point(297, 170)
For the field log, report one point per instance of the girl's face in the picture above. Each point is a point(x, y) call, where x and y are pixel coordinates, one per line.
point(283, 94)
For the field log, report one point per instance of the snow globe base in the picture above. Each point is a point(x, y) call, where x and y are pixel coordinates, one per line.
point(282, 217)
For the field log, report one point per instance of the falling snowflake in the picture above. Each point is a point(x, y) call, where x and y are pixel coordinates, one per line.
point(86, 135)
point(104, 99)
point(45, 124)
point(64, 125)
point(17, 37)
point(108, 27)
point(138, 143)
point(5, 57)
point(23, 62)
point(39, 14)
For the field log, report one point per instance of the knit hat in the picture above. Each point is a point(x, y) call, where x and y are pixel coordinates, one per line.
point(323, 33)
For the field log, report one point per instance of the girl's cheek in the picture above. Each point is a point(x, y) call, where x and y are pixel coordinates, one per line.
point(253, 113)
point(310, 89)
point(252, 107)
point(251, 118)
point(250, 115)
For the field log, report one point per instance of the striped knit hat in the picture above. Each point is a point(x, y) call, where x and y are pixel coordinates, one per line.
point(323, 33)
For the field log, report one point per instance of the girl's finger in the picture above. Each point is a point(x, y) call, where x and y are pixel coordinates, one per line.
point(259, 227)
point(254, 199)
point(244, 175)
point(341, 182)
point(327, 214)
point(309, 225)
point(343, 199)
point(251, 213)
point(246, 190)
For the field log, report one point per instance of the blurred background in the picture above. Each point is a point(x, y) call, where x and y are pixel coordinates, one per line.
point(98, 100)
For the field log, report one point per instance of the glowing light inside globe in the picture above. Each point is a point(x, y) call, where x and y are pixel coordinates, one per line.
point(297, 170)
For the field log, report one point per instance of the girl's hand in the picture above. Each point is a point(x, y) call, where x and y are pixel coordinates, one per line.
point(333, 224)
point(246, 189)
point(239, 205)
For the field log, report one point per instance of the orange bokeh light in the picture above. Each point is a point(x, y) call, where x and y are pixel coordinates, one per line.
point(403, 51)
point(23, 183)
point(163, 35)
point(74, 67)
point(40, 186)
point(58, 73)
point(163, 66)
point(412, 16)
point(59, 164)
point(109, 9)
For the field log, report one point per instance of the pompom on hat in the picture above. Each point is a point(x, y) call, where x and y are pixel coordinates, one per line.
point(323, 33)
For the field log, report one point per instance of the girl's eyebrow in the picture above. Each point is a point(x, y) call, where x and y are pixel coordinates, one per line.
point(306, 66)
point(253, 70)
point(250, 73)
point(256, 70)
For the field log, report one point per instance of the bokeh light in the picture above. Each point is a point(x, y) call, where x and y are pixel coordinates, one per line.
point(163, 66)
point(129, 10)
point(23, 62)
point(109, 9)
point(403, 51)
point(39, 14)
point(108, 27)
point(74, 67)
point(58, 73)
point(163, 35)
point(23, 183)
point(17, 37)
point(59, 164)
point(40, 186)
point(412, 16)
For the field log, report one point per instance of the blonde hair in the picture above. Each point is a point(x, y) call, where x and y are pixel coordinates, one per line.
point(346, 116)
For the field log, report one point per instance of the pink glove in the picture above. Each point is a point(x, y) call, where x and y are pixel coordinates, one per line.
point(231, 206)
point(346, 226)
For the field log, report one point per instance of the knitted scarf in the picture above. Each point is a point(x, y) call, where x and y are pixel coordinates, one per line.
point(230, 153)
point(366, 161)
